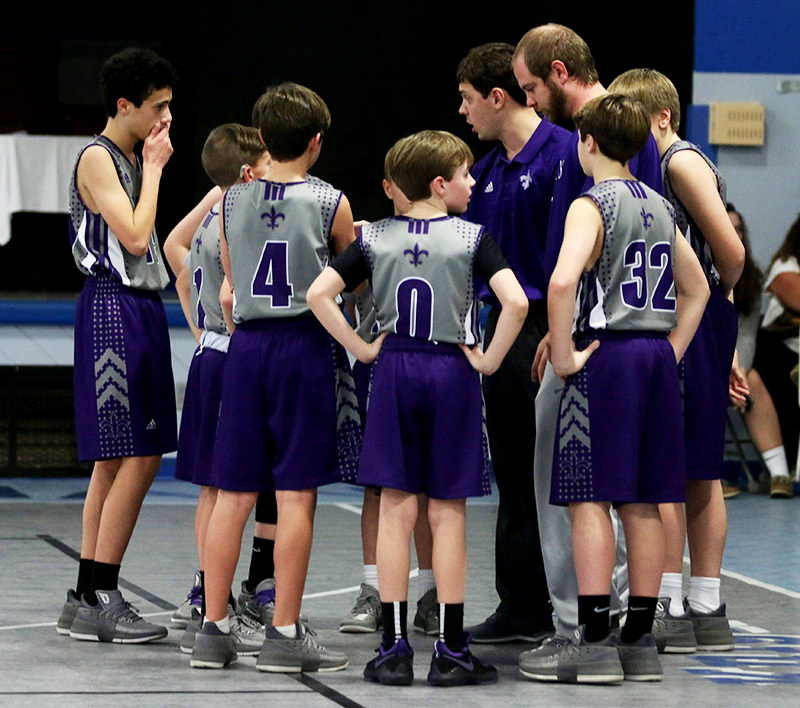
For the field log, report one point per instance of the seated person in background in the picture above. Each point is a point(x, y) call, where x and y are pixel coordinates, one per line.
point(760, 414)
point(777, 343)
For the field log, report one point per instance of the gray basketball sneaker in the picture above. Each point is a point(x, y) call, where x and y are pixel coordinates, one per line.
point(68, 613)
point(426, 620)
point(260, 602)
point(712, 631)
point(366, 615)
point(248, 634)
point(113, 619)
point(674, 635)
point(213, 649)
point(187, 640)
point(303, 652)
point(639, 659)
point(574, 660)
point(194, 601)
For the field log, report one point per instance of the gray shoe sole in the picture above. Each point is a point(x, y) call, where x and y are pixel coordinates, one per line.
point(601, 674)
point(66, 619)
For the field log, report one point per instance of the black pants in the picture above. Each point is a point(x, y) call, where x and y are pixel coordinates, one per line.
point(774, 361)
point(510, 395)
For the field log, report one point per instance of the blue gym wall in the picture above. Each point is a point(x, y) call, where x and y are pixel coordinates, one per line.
point(742, 50)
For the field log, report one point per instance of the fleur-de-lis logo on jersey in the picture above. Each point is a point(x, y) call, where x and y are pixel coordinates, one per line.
point(417, 255)
point(647, 219)
point(199, 242)
point(273, 217)
point(525, 180)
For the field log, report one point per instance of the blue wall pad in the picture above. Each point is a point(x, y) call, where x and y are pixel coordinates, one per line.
point(62, 312)
point(745, 37)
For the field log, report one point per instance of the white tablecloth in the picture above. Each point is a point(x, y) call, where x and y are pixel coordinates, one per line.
point(35, 173)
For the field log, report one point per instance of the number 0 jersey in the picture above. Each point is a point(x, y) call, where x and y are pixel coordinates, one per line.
point(95, 247)
point(422, 275)
point(630, 286)
point(206, 275)
point(278, 236)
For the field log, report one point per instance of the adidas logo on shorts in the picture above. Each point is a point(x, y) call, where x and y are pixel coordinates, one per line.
point(151, 425)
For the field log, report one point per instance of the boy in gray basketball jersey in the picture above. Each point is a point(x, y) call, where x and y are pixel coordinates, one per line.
point(280, 406)
point(640, 296)
point(696, 190)
point(425, 387)
point(124, 393)
point(232, 153)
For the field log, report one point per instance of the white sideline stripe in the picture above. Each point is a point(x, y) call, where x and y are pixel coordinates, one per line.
point(749, 628)
point(756, 583)
point(311, 596)
point(348, 507)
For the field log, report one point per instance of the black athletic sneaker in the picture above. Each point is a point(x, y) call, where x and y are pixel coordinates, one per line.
point(499, 628)
point(392, 667)
point(462, 668)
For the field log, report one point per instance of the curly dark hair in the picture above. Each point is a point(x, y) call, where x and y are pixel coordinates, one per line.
point(747, 291)
point(134, 73)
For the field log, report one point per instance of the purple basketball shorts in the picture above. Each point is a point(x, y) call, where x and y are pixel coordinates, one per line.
point(278, 415)
point(124, 390)
point(706, 370)
point(201, 411)
point(424, 429)
point(619, 437)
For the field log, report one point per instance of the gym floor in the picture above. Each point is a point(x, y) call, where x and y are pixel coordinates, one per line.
point(40, 523)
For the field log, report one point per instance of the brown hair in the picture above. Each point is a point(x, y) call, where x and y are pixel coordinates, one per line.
point(543, 45)
point(791, 244)
point(413, 162)
point(289, 116)
point(653, 89)
point(619, 124)
point(229, 147)
point(747, 291)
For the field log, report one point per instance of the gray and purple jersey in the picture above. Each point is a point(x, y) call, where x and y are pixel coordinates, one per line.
point(630, 286)
point(95, 247)
point(206, 275)
point(684, 220)
point(422, 277)
point(278, 237)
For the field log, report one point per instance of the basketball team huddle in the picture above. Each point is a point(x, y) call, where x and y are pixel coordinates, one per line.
point(333, 351)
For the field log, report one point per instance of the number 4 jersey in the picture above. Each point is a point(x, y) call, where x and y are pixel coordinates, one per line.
point(421, 272)
point(630, 286)
point(277, 235)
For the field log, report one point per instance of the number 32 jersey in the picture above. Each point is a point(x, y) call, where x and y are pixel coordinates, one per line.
point(421, 271)
point(278, 238)
point(630, 286)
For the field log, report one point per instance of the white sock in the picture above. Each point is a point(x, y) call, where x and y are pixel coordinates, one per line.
point(704, 594)
point(223, 625)
point(371, 575)
point(672, 588)
point(426, 581)
point(287, 631)
point(775, 460)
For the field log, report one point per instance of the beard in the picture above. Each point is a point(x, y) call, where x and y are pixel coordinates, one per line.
point(557, 111)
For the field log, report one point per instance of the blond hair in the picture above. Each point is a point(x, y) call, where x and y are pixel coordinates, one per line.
point(653, 89)
point(413, 162)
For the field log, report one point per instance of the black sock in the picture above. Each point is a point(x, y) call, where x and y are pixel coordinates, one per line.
point(105, 576)
point(394, 614)
point(593, 612)
point(452, 634)
point(639, 622)
point(85, 567)
point(262, 562)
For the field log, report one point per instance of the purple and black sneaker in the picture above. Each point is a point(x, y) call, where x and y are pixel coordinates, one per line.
point(461, 668)
point(393, 666)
